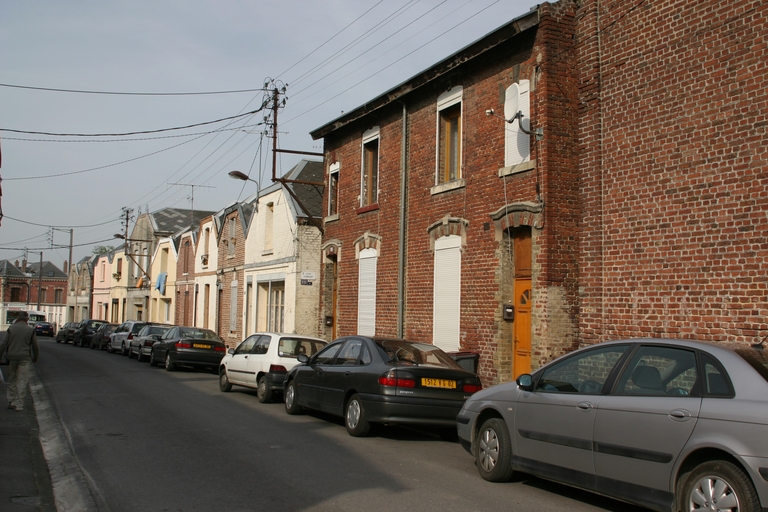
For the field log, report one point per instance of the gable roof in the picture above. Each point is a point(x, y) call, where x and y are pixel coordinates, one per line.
point(8, 269)
point(170, 221)
point(50, 271)
point(311, 196)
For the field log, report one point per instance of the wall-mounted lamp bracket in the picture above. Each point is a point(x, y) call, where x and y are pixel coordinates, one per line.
point(538, 132)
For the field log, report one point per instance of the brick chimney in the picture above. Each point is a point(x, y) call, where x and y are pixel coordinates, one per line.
point(65, 266)
point(24, 266)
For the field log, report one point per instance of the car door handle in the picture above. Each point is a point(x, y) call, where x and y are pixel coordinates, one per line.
point(585, 406)
point(680, 415)
point(346, 374)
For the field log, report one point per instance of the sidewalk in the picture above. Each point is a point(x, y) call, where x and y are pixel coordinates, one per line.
point(38, 471)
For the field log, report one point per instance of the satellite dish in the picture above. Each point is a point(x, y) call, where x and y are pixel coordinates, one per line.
point(511, 103)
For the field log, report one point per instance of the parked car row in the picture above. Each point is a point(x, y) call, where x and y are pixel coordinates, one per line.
point(666, 424)
point(79, 333)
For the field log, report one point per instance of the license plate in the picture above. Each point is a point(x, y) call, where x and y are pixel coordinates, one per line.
point(438, 383)
point(201, 345)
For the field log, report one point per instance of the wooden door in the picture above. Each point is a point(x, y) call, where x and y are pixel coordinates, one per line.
point(521, 342)
point(522, 327)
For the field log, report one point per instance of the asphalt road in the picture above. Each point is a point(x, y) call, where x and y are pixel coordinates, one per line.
point(151, 440)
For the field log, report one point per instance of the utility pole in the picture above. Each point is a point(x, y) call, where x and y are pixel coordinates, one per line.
point(276, 104)
point(192, 198)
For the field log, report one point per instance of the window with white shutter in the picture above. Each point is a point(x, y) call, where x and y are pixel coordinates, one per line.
point(233, 306)
point(517, 145)
point(366, 293)
point(447, 293)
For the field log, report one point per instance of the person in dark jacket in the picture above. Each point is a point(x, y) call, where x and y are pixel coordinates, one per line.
point(21, 349)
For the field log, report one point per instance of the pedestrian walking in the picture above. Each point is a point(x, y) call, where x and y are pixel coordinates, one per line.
point(21, 349)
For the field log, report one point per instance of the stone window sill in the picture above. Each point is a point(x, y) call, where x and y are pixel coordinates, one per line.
point(514, 169)
point(446, 187)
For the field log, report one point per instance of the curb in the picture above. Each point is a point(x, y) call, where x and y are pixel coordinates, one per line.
point(70, 487)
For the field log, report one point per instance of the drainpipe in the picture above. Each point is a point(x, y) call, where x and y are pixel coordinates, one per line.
point(403, 211)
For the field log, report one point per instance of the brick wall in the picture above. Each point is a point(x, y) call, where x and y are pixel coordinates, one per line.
point(673, 116)
point(231, 269)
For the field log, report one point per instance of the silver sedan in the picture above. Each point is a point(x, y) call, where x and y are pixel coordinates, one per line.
point(666, 424)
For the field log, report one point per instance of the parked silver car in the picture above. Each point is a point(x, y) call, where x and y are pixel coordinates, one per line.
point(120, 339)
point(667, 424)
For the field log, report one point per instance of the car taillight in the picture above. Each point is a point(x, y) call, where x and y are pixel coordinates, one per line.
point(219, 349)
point(277, 368)
point(393, 379)
point(183, 344)
point(472, 388)
point(130, 335)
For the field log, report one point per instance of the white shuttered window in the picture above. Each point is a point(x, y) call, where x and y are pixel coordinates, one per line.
point(366, 293)
point(447, 293)
point(517, 145)
point(233, 306)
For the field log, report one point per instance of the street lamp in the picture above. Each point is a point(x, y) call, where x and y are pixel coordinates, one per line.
point(237, 175)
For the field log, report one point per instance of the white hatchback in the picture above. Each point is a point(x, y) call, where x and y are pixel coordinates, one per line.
point(262, 361)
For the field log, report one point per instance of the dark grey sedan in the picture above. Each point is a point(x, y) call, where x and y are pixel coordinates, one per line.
point(380, 380)
point(667, 424)
point(188, 346)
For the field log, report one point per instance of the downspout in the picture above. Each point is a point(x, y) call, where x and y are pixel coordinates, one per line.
point(403, 211)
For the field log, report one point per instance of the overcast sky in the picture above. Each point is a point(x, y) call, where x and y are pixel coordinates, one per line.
point(333, 55)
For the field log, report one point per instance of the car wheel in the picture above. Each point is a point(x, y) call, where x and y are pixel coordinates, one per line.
point(292, 399)
point(262, 393)
point(719, 484)
point(493, 451)
point(92, 346)
point(122, 349)
point(169, 365)
point(224, 384)
point(139, 357)
point(58, 340)
point(354, 418)
point(152, 361)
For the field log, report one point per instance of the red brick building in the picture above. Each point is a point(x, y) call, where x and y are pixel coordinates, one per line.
point(442, 218)
point(232, 228)
point(185, 279)
point(641, 212)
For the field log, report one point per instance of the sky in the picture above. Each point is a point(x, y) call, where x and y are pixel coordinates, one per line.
point(77, 76)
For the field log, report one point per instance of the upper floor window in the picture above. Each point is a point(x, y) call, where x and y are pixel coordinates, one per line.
point(449, 135)
point(231, 244)
point(333, 189)
point(269, 219)
point(369, 187)
point(517, 144)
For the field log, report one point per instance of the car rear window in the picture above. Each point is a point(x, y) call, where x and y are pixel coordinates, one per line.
point(136, 328)
point(408, 352)
point(755, 356)
point(200, 334)
point(292, 347)
point(157, 330)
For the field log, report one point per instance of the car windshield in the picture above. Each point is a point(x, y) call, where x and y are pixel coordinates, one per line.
point(292, 347)
point(755, 356)
point(406, 352)
point(199, 334)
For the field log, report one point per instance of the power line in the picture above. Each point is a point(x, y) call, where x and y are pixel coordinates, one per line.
point(58, 247)
point(81, 141)
point(77, 91)
point(133, 133)
point(52, 226)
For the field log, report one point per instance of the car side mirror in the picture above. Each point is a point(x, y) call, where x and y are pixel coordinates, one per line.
point(231, 351)
point(525, 382)
point(302, 358)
